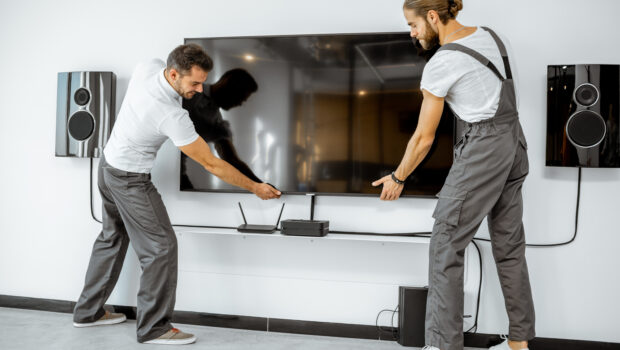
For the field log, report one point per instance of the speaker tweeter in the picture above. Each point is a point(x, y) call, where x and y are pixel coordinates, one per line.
point(81, 96)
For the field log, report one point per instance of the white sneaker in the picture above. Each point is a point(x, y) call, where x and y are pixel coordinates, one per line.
point(428, 347)
point(107, 318)
point(503, 346)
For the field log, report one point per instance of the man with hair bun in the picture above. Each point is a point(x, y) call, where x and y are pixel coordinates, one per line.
point(471, 72)
point(132, 209)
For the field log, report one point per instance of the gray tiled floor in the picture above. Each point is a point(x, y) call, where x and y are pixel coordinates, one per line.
point(28, 329)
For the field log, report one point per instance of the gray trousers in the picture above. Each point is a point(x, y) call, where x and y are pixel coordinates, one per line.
point(132, 212)
point(490, 165)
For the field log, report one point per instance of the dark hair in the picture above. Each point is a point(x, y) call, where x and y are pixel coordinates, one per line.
point(184, 57)
point(238, 79)
point(446, 9)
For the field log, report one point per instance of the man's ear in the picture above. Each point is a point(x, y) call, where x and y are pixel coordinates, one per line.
point(173, 74)
point(432, 17)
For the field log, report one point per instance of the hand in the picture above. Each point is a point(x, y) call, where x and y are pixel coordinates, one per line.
point(391, 190)
point(271, 185)
point(266, 191)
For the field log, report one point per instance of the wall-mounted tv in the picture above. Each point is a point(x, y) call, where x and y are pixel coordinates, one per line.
point(332, 113)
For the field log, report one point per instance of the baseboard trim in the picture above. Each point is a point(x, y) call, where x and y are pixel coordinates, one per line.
point(37, 304)
point(478, 340)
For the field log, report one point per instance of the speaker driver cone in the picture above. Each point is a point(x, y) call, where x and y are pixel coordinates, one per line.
point(81, 125)
point(586, 95)
point(81, 96)
point(585, 129)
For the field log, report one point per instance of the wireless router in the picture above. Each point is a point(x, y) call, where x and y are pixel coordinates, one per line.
point(258, 228)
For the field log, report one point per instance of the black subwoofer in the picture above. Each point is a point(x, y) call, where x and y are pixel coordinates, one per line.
point(411, 315)
point(582, 115)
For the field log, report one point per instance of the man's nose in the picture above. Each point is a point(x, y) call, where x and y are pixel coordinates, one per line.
point(199, 89)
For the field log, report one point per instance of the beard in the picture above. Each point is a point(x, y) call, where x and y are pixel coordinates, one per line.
point(429, 44)
point(430, 39)
point(179, 89)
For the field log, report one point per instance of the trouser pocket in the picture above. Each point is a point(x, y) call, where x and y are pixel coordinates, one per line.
point(449, 205)
point(458, 147)
point(521, 158)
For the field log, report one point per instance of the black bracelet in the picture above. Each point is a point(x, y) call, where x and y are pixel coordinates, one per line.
point(395, 179)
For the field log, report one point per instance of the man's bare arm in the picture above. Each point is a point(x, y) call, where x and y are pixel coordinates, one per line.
point(418, 147)
point(424, 135)
point(201, 153)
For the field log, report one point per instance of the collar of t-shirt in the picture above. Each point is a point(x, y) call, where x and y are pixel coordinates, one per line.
point(475, 33)
point(168, 89)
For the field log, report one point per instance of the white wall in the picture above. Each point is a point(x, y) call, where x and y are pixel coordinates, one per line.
point(47, 233)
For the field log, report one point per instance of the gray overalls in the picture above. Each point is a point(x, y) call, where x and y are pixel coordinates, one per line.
point(490, 165)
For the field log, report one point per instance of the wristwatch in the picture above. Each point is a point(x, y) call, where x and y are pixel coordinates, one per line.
point(395, 179)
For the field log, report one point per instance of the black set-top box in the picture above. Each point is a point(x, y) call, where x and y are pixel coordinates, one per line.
point(313, 228)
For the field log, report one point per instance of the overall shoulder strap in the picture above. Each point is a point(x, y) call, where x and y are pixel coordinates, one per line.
point(475, 54)
point(502, 51)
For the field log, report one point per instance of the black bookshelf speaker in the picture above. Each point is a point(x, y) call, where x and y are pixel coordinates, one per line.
point(85, 113)
point(583, 104)
point(411, 315)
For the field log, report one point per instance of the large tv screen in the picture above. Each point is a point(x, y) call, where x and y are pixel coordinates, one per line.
point(331, 114)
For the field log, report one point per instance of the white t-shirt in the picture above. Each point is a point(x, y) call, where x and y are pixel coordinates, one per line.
point(151, 113)
point(470, 88)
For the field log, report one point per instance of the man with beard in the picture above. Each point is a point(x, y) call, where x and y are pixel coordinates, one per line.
point(471, 72)
point(133, 209)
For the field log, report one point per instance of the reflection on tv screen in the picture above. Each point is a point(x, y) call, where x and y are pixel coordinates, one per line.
point(330, 114)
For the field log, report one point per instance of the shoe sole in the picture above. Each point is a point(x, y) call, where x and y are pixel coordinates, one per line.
point(100, 322)
point(171, 341)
